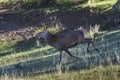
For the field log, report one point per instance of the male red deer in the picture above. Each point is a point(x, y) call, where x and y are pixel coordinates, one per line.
point(64, 41)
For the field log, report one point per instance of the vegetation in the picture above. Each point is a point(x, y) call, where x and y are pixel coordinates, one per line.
point(100, 73)
point(108, 73)
point(26, 61)
point(95, 13)
point(44, 60)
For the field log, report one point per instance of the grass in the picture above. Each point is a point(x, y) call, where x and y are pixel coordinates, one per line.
point(15, 55)
point(98, 8)
point(44, 60)
point(6, 46)
point(3, 0)
point(104, 2)
point(42, 63)
point(99, 73)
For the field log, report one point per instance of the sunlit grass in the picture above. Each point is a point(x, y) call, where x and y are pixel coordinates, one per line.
point(37, 61)
point(4, 0)
point(100, 73)
point(21, 56)
point(103, 6)
point(48, 53)
point(104, 2)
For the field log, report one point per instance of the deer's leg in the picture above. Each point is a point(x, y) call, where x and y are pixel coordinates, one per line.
point(88, 51)
point(60, 57)
point(69, 53)
point(94, 46)
point(88, 40)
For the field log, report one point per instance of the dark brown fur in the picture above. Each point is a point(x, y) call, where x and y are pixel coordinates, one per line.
point(64, 41)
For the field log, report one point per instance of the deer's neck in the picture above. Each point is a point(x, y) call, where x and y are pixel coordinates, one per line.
point(50, 39)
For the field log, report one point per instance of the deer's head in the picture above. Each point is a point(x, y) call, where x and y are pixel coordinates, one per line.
point(43, 34)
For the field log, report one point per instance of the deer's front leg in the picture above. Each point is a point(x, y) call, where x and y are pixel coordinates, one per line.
point(60, 57)
point(69, 53)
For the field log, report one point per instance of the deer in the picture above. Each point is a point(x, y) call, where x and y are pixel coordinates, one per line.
point(63, 41)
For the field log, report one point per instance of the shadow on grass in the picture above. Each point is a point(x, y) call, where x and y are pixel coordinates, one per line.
point(70, 15)
point(70, 18)
point(42, 64)
point(47, 65)
point(5, 53)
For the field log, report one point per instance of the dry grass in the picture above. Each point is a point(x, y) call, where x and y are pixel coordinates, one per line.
point(99, 73)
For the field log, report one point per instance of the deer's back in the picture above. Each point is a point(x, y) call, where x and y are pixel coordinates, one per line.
point(69, 39)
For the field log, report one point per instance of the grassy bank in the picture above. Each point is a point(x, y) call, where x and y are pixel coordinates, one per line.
point(44, 60)
point(42, 63)
point(100, 73)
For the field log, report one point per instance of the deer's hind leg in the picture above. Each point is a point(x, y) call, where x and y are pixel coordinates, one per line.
point(88, 40)
point(94, 46)
point(88, 51)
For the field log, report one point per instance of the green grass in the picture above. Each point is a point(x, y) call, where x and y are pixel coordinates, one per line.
point(6, 46)
point(99, 73)
point(36, 63)
point(95, 10)
point(19, 55)
point(3, 0)
point(44, 60)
